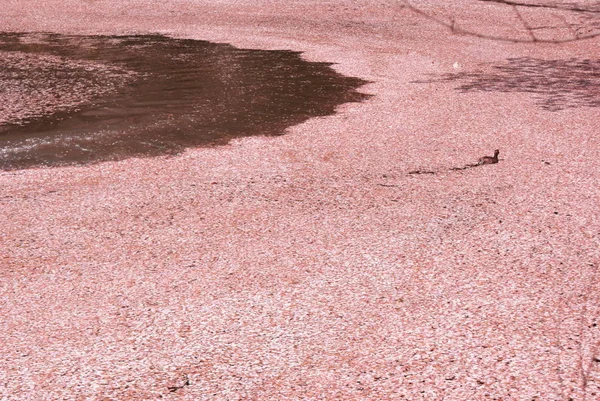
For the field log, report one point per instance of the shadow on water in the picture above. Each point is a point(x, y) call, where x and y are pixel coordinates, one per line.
point(555, 84)
point(83, 99)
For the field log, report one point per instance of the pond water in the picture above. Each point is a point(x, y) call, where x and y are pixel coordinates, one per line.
point(83, 99)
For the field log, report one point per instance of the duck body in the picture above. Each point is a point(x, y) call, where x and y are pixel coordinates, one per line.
point(490, 159)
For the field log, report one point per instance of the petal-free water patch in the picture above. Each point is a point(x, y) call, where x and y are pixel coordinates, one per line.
point(81, 99)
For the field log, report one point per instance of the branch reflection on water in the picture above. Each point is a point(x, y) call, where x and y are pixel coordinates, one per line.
point(555, 84)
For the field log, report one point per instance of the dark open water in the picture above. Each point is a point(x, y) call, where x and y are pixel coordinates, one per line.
point(84, 99)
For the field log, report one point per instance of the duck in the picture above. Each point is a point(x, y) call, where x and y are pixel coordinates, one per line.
point(489, 159)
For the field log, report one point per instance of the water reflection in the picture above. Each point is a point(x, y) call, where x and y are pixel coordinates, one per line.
point(81, 99)
point(555, 84)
